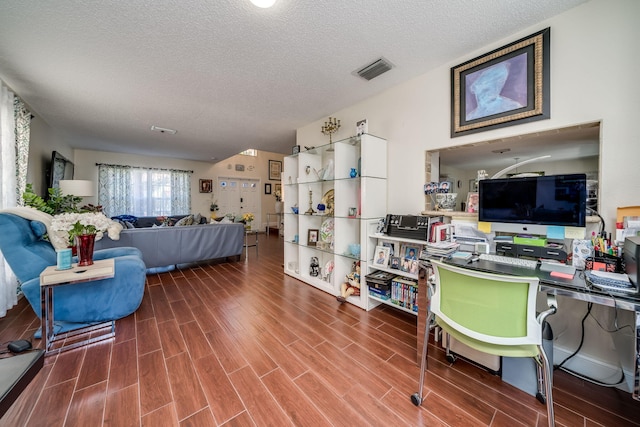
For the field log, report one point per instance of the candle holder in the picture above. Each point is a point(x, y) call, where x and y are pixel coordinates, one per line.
point(310, 211)
point(329, 128)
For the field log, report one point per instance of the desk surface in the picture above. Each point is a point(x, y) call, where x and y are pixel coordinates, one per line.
point(575, 287)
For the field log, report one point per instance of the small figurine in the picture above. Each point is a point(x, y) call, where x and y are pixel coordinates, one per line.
point(352, 284)
point(314, 267)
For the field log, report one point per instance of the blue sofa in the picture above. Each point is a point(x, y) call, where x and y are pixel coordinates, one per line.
point(78, 305)
point(163, 247)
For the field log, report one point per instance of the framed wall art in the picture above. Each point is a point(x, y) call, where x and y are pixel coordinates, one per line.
point(206, 185)
point(504, 87)
point(275, 170)
point(267, 188)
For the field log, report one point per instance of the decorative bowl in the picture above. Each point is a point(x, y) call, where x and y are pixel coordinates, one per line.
point(294, 209)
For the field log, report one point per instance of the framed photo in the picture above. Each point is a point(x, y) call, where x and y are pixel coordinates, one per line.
point(361, 127)
point(504, 87)
point(312, 237)
point(391, 246)
point(295, 149)
point(381, 256)
point(394, 263)
point(275, 170)
point(410, 252)
point(267, 188)
point(472, 202)
point(278, 187)
point(206, 185)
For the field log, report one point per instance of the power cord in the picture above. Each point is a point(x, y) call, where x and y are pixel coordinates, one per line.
point(561, 367)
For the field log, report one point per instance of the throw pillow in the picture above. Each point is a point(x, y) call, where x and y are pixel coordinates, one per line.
point(187, 220)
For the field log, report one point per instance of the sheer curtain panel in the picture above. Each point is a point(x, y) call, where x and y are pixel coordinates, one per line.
point(8, 281)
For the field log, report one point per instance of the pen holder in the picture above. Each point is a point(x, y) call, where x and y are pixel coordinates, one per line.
point(604, 262)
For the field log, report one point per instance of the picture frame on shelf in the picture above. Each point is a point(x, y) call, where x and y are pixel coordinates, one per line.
point(312, 236)
point(472, 202)
point(362, 127)
point(394, 263)
point(275, 170)
point(410, 252)
point(267, 188)
point(206, 185)
point(381, 256)
point(391, 246)
point(504, 87)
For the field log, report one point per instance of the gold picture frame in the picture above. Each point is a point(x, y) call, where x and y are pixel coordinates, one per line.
point(504, 87)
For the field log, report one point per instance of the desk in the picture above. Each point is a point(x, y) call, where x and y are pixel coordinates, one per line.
point(51, 278)
point(573, 288)
point(246, 245)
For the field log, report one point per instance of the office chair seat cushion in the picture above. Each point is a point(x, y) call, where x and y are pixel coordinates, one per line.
point(524, 350)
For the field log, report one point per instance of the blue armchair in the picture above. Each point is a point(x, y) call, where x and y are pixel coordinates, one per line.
point(78, 305)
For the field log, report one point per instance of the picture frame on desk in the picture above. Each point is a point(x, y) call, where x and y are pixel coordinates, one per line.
point(504, 87)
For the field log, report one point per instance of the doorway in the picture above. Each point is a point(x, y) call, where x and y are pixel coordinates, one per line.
point(238, 196)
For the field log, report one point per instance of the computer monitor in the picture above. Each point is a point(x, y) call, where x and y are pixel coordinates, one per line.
point(530, 204)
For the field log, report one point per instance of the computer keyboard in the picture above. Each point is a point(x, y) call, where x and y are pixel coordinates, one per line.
point(611, 284)
point(516, 262)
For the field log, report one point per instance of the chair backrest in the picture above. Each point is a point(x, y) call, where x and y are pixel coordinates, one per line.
point(491, 308)
point(22, 246)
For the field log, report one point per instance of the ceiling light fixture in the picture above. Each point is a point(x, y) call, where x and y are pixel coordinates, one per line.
point(263, 3)
point(164, 130)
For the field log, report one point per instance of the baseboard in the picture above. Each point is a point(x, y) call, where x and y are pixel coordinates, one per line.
point(598, 370)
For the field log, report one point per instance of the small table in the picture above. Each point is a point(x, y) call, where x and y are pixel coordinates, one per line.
point(51, 278)
point(246, 245)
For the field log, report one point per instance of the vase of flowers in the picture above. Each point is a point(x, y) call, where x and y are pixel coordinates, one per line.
point(248, 218)
point(82, 230)
point(278, 205)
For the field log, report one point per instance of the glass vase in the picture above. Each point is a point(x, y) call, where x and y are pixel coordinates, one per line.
point(85, 244)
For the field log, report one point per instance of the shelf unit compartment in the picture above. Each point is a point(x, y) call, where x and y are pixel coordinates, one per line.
point(346, 232)
point(347, 154)
point(373, 157)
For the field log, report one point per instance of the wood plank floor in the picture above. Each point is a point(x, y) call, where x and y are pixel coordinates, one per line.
point(241, 344)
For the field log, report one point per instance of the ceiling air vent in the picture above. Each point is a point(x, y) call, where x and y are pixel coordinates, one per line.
point(377, 67)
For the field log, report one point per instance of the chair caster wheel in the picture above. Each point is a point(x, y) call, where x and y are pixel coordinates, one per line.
point(451, 358)
point(542, 398)
point(415, 399)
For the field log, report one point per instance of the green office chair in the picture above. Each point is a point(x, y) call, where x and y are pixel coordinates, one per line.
point(492, 313)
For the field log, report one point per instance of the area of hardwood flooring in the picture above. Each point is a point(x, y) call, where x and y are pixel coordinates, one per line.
point(241, 344)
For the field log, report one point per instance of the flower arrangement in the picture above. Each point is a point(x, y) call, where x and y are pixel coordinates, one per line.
point(248, 217)
point(76, 224)
point(278, 195)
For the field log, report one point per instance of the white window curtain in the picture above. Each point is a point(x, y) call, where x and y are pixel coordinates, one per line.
point(15, 123)
point(127, 190)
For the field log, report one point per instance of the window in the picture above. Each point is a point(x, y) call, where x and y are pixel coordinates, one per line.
point(250, 152)
point(143, 191)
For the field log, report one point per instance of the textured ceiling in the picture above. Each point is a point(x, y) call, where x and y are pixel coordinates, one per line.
point(226, 75)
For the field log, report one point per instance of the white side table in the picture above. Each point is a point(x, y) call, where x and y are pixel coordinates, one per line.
point(50, 279)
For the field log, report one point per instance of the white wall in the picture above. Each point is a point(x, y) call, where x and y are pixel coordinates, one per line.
point(593, 78)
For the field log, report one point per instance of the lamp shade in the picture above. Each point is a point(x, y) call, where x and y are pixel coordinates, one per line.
point(76, 187)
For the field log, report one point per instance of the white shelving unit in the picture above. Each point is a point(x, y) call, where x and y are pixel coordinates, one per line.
point(312, 175)
point(378, 239)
